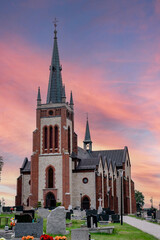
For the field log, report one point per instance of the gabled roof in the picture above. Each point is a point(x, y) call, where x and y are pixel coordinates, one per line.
point(89, 160)
point(26, 166)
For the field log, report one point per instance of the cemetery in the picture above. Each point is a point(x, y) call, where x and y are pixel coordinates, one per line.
point(63, 224)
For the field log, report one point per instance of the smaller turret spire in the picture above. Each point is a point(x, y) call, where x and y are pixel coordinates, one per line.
point(39, 97)
point(71, 100)
point(63, 94)
point(87, 140)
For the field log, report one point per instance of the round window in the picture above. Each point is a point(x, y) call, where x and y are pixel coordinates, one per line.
point(50, 112)
point(85, 180)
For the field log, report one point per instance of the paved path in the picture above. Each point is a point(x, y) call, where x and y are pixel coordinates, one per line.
point(151, 228)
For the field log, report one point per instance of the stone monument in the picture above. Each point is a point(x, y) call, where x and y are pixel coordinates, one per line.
point(56, 221)
point(100, 206)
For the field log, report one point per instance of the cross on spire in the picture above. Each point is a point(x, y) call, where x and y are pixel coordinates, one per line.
point(55, 25)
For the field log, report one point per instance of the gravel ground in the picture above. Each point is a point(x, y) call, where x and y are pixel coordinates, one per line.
point(151, 228)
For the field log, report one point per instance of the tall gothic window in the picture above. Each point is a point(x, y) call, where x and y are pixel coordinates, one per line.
point(45, 137)
point(69, 141)
point(50, 178)
point(56, 136)
point(50, 137)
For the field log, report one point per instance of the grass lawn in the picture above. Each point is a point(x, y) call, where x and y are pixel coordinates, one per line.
point(2, 225)
point(124, 232)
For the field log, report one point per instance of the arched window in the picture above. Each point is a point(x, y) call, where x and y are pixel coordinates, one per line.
point(50, 137)
point(50, 178)
point(69, 141)
point(56, 136)
point(45, 138)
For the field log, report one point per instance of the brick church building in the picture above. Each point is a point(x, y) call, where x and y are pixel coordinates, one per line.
point(59, 170)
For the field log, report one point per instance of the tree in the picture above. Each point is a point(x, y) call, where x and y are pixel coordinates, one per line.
point(139, 200)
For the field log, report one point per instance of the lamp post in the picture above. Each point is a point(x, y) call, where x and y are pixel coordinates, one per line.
point(108, 195)
point(121, 175)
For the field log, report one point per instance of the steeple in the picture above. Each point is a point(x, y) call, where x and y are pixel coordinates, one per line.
point(39, 97)
point(71, 100)
point(55, 87)
point(87, 140)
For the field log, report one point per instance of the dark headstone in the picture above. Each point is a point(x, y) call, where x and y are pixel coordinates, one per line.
point(89, 220)
point(7, 209)
point(24, 218)
point(30, 212)
point(68, 215)
point(32, 229)
point(19, 208)
point(89, 212)
point(103, 217)
point(71, 211)
point(115, 218)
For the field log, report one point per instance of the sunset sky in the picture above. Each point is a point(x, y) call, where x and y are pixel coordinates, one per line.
point(110, 56)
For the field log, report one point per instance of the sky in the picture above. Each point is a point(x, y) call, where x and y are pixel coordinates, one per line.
point(110, 56)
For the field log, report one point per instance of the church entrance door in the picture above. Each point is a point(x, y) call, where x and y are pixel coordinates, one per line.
point(50, 200)
point(85, 203)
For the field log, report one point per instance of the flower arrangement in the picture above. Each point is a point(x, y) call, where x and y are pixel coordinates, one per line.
point(60, 238)
point(27, 237)
point(12, 223)
point(46, 237)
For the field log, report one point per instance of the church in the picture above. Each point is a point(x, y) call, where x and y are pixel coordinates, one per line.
point(60, 172)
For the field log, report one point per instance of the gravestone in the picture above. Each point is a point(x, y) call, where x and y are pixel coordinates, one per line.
point(24, 218)
point(92, 221)
point(68, 215)
point(80, 234)
point(103, 217)
point(100, 206)
point(43, 212)
point(115, 218)
point(33, 229)
point(19, 208)
point(29, 212)
point(56, 221)
point(89, 212)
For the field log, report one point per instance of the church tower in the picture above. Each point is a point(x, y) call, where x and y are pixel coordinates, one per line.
point(54, 141)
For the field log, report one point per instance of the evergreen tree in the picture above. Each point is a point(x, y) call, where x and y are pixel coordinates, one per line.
point(139, 200)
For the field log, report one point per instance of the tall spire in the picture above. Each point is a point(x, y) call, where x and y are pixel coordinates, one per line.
point(55, 87)
point(87, 140)
point(71, 100)
point(39, 97)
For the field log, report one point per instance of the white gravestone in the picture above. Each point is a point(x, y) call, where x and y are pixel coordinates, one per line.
point(100, 206)
point(56, 221)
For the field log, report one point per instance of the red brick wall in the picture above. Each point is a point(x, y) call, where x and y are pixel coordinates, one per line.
point(133, 198)
point(98, 189)
point(105, 192)
point(111, 201)
point(126, 196)
point(18, 198)
point(65, 160)
point(115, 197)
